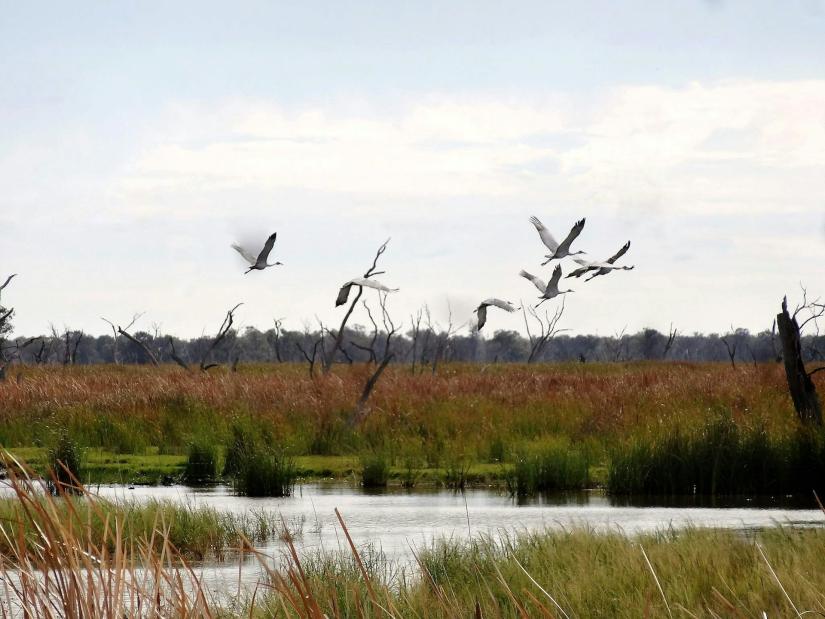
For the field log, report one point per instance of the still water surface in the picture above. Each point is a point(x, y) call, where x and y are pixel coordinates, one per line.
point(397, 521)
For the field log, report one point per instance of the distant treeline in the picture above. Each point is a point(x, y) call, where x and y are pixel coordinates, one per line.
point(423, 348)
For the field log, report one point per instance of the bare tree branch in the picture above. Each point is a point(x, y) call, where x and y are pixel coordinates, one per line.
point(149, 354)
point(802, 389)
point(548, 328)
point(226, 326)
point(329, 358)
point(175, 357)
point(277, 338)
point(390, 329)
point(310, 358)
point(671, 338)
point(731, 344)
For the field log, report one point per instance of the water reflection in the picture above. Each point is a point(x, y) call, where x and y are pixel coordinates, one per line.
point(394, 521)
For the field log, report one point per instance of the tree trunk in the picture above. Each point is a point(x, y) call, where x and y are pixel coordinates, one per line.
point(803, 392)
point(361, 408)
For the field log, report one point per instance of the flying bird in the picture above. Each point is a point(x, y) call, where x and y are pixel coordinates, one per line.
point(481, 310)
point(558, 250)
point(601, 268)
point(343, 294)
point(259, 263)
point(548, 290)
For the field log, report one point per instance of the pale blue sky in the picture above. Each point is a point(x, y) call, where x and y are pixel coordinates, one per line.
point(137, 140)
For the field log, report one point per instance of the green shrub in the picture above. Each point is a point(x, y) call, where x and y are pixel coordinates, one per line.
point(375, 470)
point(64, 463)
point(549, 468)
point(455, 475)
point(720, 458)
point(202, 463)
point(265, 472)
point(243, 442)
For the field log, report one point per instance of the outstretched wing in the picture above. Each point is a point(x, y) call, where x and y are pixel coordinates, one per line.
point(619, 253)
point(544, 234)
point(8, 279)
point(372, 283)
point(246, 255)
point(580, 271)
point(267, 248)
point(538, 283)
point(482, 315)
point(505, 305)
point(554, 281)
point(575, 231)
point(343, 294)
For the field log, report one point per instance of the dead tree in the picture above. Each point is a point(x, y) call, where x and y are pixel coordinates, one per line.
point(175, 357)
point(226, 327)
point(71, 342)
point(803, 392)
point(116, 334)
point(671, 338)
point(731, 344)
point(370, 348)
point(43, 353)
point(415, 321)
point(310, 358)
point(142, 345)
point(442, 335)
point(329, 357)
point(777, 354)
point(5, 326)
point(547, 329)
point(620, 340)
point(361, 408)
point(276, 343)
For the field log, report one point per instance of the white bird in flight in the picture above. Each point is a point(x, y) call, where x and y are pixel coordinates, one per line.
point(481, 310)
point(259, 263)
point(548, 290)
point(558, 250)
point(343, 294)
point(601, 267)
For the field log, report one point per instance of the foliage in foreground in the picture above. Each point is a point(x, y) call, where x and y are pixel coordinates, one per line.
point(118, 570)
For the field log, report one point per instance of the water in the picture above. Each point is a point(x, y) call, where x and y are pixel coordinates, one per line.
point(397, 521)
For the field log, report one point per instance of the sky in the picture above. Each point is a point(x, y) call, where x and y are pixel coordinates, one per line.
point(138, 140)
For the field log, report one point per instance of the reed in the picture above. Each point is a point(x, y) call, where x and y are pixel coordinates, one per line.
point(201, 463)
point(552, 467)
point(720, 457)
point(375, 470)
point(75, 556)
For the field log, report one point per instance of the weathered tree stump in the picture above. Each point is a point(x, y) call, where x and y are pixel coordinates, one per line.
point(803, 393)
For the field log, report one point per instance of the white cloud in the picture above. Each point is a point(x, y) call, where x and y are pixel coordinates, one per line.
point(689, 174)
point(639, 147)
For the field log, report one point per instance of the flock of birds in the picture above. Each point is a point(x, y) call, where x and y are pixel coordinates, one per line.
point(548, 290)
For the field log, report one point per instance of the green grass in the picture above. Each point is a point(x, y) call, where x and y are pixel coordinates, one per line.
point(466, 425)
point(550, 468)
point(375, 470)
point(718, 458)
point(201, 463)
point(197, 531)
point(702, 573)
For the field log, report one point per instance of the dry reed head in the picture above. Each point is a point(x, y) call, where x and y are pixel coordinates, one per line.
point(465, 400)
point(56, 568)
